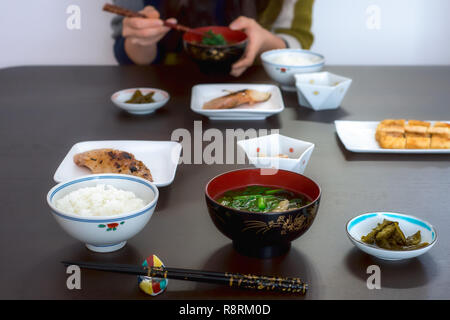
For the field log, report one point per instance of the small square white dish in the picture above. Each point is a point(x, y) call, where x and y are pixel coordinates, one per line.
point(363, 225)
point(263, 152)
point(202, 93)
point(321, 90)
point(359, 136)
point(161, 157)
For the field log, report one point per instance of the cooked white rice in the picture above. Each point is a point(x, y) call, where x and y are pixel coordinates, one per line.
point(294, 59)
point(101, 200)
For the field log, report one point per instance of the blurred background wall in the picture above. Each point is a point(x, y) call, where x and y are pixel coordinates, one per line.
point(362, 32)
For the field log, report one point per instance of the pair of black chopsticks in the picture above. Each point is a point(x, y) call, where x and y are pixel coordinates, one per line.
point(234, 280)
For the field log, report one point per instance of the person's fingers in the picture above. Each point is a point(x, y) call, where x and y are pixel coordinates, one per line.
point(172, 20)
point(236, 72)
point(141, 41)
point(248, 57)
point(150, 12)
point(144, 33)
point(241, 23)
point(141, 23)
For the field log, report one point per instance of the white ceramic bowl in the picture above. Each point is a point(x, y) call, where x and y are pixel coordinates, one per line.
point(161, 97)
point(262, 152)
point(106, 233)
point(321, 90)
point(284, 73)
point(363, 224)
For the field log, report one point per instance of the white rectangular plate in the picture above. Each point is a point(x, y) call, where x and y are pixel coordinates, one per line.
point(161, 157)
point(359, 136)
point(202, 93)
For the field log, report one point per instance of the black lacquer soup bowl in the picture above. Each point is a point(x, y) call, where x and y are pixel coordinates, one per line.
point(262, 235)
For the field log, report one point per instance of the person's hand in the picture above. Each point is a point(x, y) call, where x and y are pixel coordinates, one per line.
point(145, 31)
point(259, 40)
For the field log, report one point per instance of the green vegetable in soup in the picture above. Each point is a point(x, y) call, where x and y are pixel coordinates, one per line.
point(212, 39)
point(138, 97)
point(262, 199)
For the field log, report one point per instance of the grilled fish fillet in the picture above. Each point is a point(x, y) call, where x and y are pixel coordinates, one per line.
point(112, 161)
point(237, 98)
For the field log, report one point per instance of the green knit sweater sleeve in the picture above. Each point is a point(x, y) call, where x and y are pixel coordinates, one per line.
point(299, 28)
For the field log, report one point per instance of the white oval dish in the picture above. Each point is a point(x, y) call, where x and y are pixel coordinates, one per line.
point(364, 223)
point(105, 233)
point(284, 73)
point(161, 97)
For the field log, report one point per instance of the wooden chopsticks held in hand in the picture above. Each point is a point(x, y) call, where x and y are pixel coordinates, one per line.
point(133, 14)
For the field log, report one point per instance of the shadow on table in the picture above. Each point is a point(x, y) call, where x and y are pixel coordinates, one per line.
point(355, 156)
point(307, 114)
point(48, 276)
point(411, 273)
point(292, 264)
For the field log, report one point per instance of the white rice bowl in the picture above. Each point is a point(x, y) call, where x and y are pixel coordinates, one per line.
point(101, 200)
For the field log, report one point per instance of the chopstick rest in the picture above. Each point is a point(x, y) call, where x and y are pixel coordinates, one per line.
point(152, 285)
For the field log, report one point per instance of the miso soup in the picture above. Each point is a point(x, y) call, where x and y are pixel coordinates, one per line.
point(263, 199)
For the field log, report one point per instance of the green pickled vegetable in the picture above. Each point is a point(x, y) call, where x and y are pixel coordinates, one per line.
point(138, 97)
point(388, 235)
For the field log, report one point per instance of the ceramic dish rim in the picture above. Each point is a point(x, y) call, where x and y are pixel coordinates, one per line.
point(240, 142)
point(222, 46)
point(433, 229)
point(71, 216)
point(264, 56)
point(298, 84)
point(239, 110)
point(140, 105)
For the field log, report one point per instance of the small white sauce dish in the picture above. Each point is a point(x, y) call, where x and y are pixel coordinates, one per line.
point(321, 90)
point(282, 64)
point(263, 152)
point(105, 233)
point(161, 97)
point(363, 224)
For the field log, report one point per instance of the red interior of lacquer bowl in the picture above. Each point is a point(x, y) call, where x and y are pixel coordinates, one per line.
point(246, 177)
point(231, 36)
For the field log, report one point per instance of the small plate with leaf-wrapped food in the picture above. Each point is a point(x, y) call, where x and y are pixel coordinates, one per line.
point(391, 236)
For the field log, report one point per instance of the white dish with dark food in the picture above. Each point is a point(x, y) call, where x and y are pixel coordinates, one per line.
point(391, 236)
point(360, 136)
point(282, 64)
point(155, 161)
point(105, 210)
point(236, 101)
point(277, 151)
point(140, 101)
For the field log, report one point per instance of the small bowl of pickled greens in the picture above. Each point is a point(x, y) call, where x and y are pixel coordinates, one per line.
point(391, 236)
point(262, 211)
point(217, 49)
point(140, 101)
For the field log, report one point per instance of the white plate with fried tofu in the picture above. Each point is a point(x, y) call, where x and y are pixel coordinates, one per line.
point(265, 101)
point(159, 157)
point(360, 136)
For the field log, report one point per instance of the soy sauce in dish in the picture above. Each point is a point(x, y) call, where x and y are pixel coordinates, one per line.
point(263, 199)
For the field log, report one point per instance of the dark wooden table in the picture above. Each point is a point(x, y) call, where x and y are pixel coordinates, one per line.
point(45, 110)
